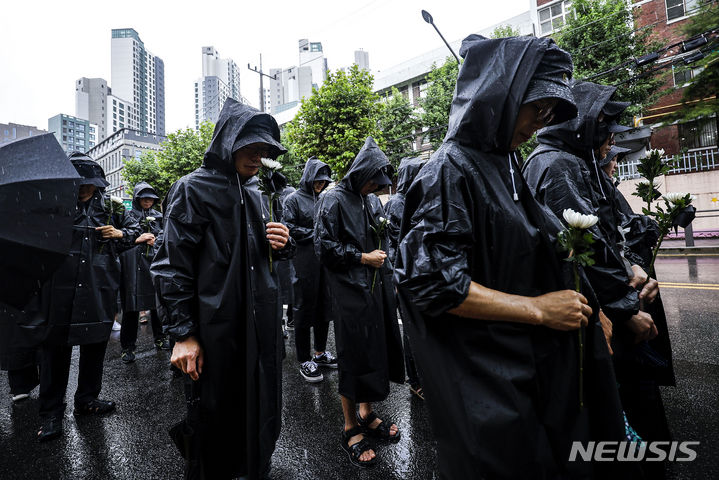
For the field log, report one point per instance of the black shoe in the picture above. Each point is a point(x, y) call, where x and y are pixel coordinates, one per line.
point(285, 335)
point(127, 356)
point(163, 344)
point(51, 428)
point(325, 360)
point(290, 325)
point(95, 407)
point(310, 372)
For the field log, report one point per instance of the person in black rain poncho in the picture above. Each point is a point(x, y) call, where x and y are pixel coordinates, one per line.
point(369, 348)
point(79, 303)
point(222, 302)
point(137, 291)
point(309, 281)
point(285, 268)
point(491, 320)
point(407, 171)
point(564, 172)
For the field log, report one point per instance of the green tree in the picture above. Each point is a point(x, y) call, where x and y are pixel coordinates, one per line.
point(699, 99)
point(398, 122)
point(292, 163)
point(601, 35)
point(441, 82)
point(334, 122)
point(503, 31)
point(179, 155)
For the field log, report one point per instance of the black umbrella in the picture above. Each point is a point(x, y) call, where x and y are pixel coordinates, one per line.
point(38, 197)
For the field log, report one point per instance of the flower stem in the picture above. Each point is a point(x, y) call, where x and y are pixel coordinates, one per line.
point(581, 342)
point(374, 277)
point(654, 253)
point(270, 245)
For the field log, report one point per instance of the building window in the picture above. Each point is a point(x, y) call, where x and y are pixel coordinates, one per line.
point(680, 8)
point(552, 18)
point(683, 76)
point(698, 134)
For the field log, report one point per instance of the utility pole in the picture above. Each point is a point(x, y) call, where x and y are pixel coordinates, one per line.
point(262, 85)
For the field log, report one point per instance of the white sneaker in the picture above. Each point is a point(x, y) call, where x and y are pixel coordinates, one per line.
point(20, 396)
point(310, 372)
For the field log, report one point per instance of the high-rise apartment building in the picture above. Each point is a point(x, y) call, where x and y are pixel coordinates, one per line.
point(292, 84)
point(138, 77)
point(73, 133)
point(220, 81)
point(362, 59)
point(91, 103)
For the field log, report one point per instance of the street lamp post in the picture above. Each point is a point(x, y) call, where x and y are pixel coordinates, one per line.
point(428, 18)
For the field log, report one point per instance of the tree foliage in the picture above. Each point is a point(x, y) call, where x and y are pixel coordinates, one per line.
point(441, 82)
point(180, 154)
point(696, 98)
point(601, 35)
point(398, 122)
point(504, 31)
point(334, 122)
point(292, 163)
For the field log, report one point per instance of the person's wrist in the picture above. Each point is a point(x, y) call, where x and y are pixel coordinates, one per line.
point(535, 312)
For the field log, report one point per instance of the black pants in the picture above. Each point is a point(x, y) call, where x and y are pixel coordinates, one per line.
point(302, 338)
point(409, 365)
point(128, 332)
point(55, 370)
point(23, 380)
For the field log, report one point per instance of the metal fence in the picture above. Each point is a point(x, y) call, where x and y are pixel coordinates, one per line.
point(694, 161)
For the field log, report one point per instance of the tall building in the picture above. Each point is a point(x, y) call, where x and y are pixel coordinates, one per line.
point(138, 76)
point(292, 84)
point(220, 81)
point(73, 133)
point(91, 103)
point(9, 132)
point(120, 114)
point(268, 101)
point(362, 59)
point(116, 149)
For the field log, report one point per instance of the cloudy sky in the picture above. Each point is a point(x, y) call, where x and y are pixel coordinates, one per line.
point(45, 46)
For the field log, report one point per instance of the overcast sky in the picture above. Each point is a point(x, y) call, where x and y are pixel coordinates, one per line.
point(45, 46)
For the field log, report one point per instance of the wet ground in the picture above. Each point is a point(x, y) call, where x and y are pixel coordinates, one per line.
point(133, 443)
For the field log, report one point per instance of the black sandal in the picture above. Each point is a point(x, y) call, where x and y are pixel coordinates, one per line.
point(51, 428)
point(355, 451)
point(381, 431)
point(417, 391)
point(94, 407)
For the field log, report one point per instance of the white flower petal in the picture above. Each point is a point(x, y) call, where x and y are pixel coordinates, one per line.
point(150, 219)
point(271, 164)
point(115, 199)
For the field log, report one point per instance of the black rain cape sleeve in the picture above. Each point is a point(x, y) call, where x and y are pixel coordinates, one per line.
point(407, 171)
point(137, 291)
point(309, 282)
point(213, 278)
point(502, 396)
point(77, 306)
point(369, 345)
point(285, 268)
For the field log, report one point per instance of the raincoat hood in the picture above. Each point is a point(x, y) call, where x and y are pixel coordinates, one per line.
point(140, 189)
point(90, 171)
point(613, 152)
point(408, 169)
point(240, 122)
point(366, 164)
point(583, 134)
point(314, 168)
point(491, 87)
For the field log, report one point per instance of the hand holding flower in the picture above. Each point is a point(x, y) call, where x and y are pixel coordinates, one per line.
point(108, 231)
point(278, 235)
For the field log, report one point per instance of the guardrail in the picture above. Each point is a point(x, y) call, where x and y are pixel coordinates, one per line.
point(695, 161)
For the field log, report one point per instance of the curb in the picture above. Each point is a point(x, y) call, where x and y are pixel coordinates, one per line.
point(675, 251)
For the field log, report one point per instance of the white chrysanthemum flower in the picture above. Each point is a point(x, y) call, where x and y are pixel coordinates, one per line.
point(150, 219)
point(116, 199)
point(382, 219)
point(271, 164)
point(674, 197)
point(578, 220)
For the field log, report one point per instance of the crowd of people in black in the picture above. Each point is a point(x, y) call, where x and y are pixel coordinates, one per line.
point(464, 253)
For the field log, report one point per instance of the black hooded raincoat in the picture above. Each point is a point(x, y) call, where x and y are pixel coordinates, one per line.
point(137, 290)
point(299, 213)
point(407, 171)
point(503, 396)
point(563, 174)
point(212, 273)
point(285, 268)
point(369, 345)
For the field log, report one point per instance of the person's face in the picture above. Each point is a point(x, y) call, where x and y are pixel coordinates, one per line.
point(319, 185)
point(369, 187)
point(85, 192)
point(606, 146)
point(611, 168)
point(531, 117)
point(147, 203)
point(247, 158)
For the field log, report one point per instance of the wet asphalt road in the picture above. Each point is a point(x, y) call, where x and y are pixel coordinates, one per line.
point(133, 443)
